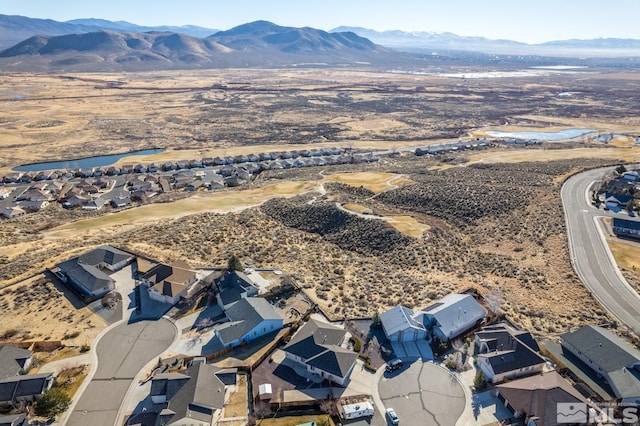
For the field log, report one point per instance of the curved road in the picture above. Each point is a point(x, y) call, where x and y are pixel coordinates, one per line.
point(122, 352)
point(590, 253)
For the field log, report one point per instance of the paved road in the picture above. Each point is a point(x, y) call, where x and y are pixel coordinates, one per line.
point(122, 352)
point(423, 394)
point(590, 254)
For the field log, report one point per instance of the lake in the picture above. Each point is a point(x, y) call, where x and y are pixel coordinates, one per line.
point(84, 163)
point(541, 136)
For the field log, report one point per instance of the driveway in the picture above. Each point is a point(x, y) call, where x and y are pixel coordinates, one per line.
point(423, 394)
point(121, 353)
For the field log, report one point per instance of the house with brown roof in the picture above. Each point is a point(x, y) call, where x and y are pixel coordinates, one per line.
point(538, 400)
point(168, 283)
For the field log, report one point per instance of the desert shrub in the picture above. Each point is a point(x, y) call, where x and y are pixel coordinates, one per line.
point(52, 402)
point(72, 335)
point(479, 381)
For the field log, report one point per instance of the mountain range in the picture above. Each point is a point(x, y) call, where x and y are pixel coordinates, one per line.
point(256, 44)
point(101, 45)
point(425, 42)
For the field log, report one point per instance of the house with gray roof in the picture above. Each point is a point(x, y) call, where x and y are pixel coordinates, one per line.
point(249, 319)
point(507, 353)
point(193, 397)
point(233, 287)
point(90, 272)
point(22, 389)
point(14, 361)
point(452, 315)
point(399, 325)
point(609, 357)
point(318, 348)
point(444, 320)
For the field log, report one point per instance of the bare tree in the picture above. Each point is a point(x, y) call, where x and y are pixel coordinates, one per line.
point(493, 301)
point(329, 406)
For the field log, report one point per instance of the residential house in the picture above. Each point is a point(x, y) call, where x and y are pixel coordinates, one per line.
point(12, 212)
point(615, 201)
point(89, 272)
point(118, 202)
point(609, 357)
point(14, 361)
point(195, 185)
point(535, 399)
point(451, 316)
point(141, 266)
point(443, 320)
point(43, 175)
point(167, 283)
point(34, 194)
point(507, 353)
point(249, 319)
point(140, 168)
point(11, 177)
point(32, 206)
point(169, 166)
point(126, 169)
point(24, 389)
point(233, 287)
point(319, 348)
point(113, 171)
point(625, 228)
point(194, 397)
point(400, 325)
point(217, 182)
point(182, 164)
point(76, 200)
point(95, 204)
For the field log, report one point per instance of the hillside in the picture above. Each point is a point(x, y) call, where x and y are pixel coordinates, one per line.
point(14, 29)
point(256, 44)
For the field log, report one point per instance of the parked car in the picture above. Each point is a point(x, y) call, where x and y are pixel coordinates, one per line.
point(393, 365)
point(392, 416)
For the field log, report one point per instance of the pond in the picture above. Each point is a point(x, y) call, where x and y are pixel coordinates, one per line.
point(541, 136)
point(82, 163)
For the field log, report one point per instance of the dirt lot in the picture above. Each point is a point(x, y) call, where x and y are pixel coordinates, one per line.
point(39, 310)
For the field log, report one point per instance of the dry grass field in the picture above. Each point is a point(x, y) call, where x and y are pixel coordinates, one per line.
point(488, 219)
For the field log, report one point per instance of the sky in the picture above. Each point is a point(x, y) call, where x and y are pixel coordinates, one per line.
point(529, 21)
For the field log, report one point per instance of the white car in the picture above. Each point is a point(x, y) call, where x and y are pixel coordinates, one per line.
point(392, 416)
